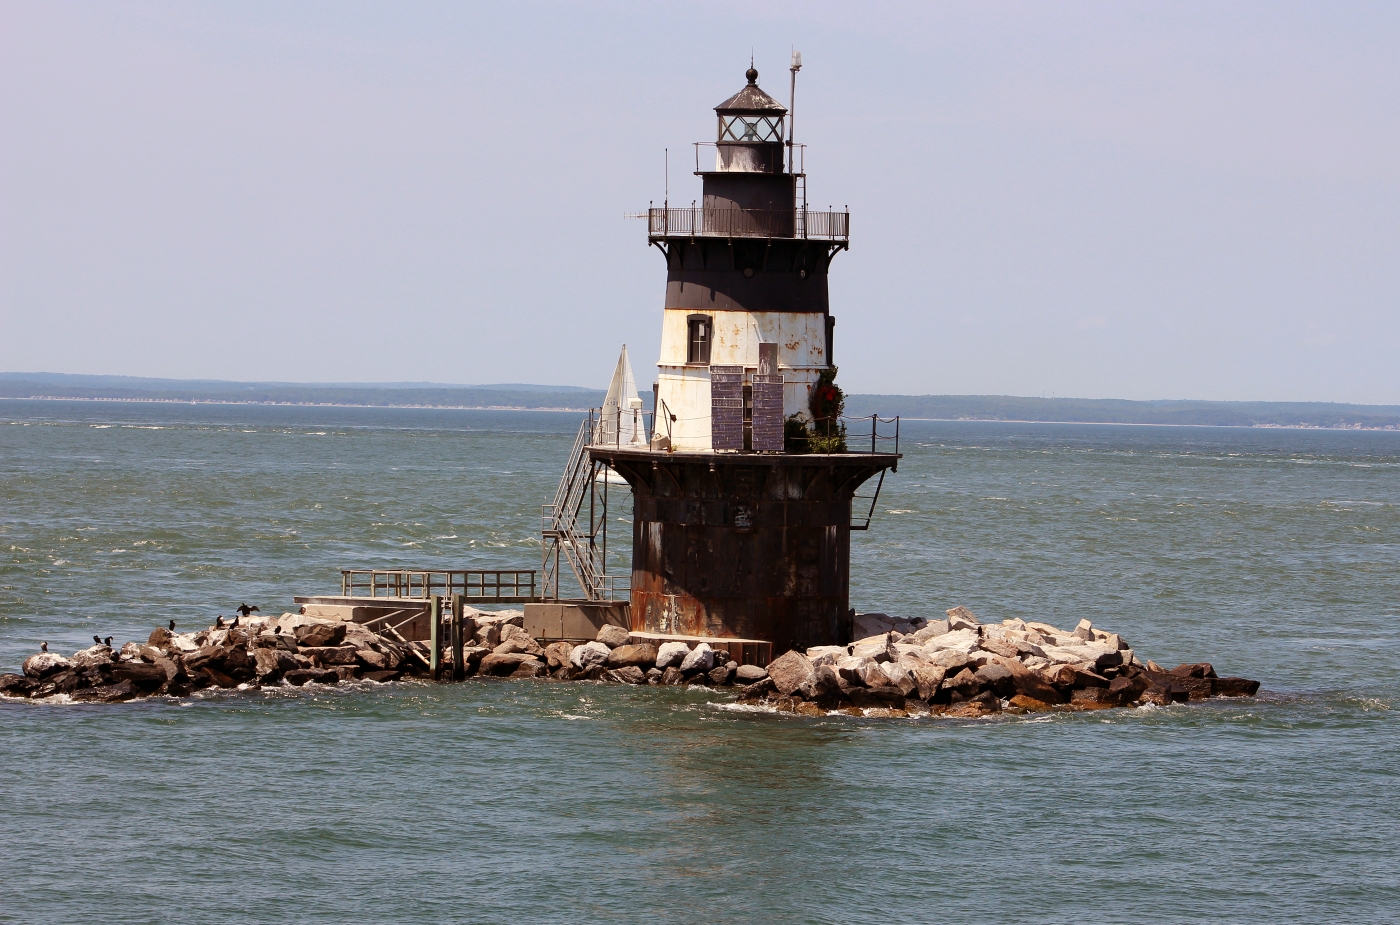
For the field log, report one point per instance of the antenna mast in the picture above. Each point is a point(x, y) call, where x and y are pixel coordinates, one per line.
point(792, 106)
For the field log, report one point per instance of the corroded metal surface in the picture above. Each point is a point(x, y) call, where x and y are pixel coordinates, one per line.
point(743, 545)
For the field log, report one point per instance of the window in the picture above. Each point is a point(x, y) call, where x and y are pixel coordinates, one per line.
point(751, 128)
point(699, 332)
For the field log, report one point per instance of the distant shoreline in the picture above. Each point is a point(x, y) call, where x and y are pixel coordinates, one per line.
point(283, 404)
point(1382, 428)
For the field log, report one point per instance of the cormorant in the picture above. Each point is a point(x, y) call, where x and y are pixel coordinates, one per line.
point(107, 642)
point(172, 626)
point(43, 647)
point(96, 640)
point(235, 621)
point(243, 610)
point(219, 622)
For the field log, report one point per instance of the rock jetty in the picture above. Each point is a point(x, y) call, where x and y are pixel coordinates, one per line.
point(957, 666)
point(960, 667)
point(291, 649)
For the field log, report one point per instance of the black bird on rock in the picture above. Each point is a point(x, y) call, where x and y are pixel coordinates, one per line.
point(107, 642)
point(96, 640)
point(243, 610)
point(172, 626)
point(219, 622)
point(43, 647)
point(235, 621)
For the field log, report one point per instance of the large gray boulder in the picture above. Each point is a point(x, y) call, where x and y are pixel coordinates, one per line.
point(589, 655)
point(556, 654)
point(488, 635)
point(927, 679)
point(723, 675)
point(898, 675)
point(792, 673)
point(302, 676)
point(613, 636)
point(641, 656)
point(93, 656)
point(853, 670)
point(320, 634)
point(964, 683)
point(993, 676)
point(519, 641)
point(964, 640)
point(951, 660)
point(107, 693)
point(701, 658)
point(960, 618)
point(1234, 687)
point(15, 685)
point(826, 683)
point(509, 631)
point(749, 674)
point(874, 624)
point(501, 665)
point(928, 631)
point(671, 654)
point(147, 677)
point(629, 674)
point(1029, 682)
point(328, 656)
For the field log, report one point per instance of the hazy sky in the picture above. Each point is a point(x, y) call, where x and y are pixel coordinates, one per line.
point(1135, 200)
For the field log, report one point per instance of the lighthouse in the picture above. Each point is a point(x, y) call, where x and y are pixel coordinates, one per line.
point(743, 495)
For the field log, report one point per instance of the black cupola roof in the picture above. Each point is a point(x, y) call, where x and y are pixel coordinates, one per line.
point(751, 99)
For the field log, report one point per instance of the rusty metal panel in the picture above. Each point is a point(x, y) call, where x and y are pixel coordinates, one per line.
point(768, 414)
point(727, 407)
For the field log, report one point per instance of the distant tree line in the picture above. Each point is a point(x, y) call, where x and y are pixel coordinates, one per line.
point(935, 407)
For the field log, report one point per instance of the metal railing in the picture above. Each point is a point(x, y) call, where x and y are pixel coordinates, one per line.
point(568, 540)
point(486, 585)
point(886, 442)
point(748, 223)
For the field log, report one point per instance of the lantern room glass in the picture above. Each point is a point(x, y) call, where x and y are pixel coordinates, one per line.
point(750, 128)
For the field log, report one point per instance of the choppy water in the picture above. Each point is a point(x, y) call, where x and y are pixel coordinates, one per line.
point(1274, 554)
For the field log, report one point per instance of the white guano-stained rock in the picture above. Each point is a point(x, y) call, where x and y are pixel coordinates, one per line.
point(671, 654)
point(589, 655)
point(701, 658)
point(43, 664)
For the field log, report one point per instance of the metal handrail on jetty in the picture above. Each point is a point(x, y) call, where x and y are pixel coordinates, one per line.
point(495, 586)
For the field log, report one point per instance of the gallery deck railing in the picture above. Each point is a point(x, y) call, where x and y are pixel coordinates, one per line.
point(748, 223)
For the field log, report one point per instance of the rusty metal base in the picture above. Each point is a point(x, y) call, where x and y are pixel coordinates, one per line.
point(742, 544)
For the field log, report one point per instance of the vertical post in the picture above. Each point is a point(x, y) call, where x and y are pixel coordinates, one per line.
point(459, 671)
point(435, 637)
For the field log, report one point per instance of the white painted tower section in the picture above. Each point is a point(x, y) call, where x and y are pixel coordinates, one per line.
point(683, 388)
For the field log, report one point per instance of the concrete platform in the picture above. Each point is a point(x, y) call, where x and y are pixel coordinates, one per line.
point(574, 621)
point(369, 609)
point(744, 651)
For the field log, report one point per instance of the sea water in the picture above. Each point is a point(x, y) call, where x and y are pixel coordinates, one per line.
point(1274, 554)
